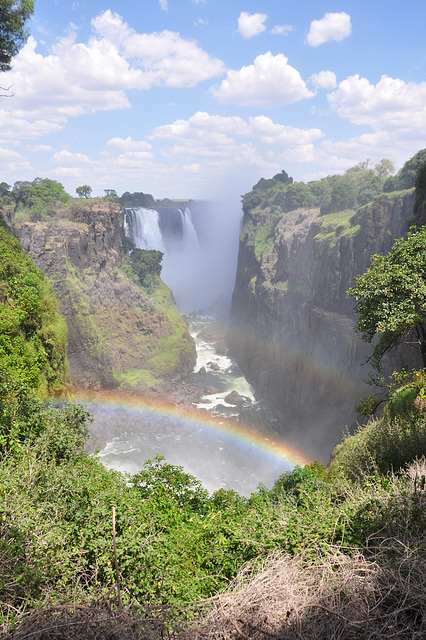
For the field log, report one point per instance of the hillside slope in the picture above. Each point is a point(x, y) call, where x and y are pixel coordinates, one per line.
point(118, 332)
point(293, 324)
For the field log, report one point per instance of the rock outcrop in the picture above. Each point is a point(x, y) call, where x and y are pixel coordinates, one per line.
point(118, 333)
point(292, 323)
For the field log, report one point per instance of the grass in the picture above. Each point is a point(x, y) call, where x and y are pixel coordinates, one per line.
point(336, 225)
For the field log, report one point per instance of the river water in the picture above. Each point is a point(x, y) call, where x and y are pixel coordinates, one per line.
point(222, 444)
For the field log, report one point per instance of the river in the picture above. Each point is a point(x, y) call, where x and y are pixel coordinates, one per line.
point(234, 446)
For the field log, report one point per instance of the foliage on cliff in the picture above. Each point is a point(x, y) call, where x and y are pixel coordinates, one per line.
point(391, 297)
point(175, 543)
point(124, 326)
point(32, 333)
point(358, 186)
point(35, 200)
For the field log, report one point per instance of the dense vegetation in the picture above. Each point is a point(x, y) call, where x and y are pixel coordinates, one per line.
point(32, 333)
point(144, 265)
point(391, 297)
point(38, 199)
point(326, 552)
point(358, 186)
point(174, 543)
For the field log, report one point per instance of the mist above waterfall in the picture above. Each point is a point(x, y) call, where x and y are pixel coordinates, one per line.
point(200, 246)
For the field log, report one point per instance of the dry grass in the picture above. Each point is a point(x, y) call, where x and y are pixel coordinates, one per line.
point(101, 620)
point(337, 598)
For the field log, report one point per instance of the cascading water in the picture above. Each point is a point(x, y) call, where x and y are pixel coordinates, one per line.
point(143, 227)
point(199, 266)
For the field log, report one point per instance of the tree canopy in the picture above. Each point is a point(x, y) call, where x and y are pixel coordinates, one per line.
point(13, 17)
point(391, 297)
point(84, 191)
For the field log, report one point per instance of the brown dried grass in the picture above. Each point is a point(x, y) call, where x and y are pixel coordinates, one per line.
point(101, 620)
point(337, 597)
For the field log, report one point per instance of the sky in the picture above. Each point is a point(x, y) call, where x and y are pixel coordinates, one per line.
point(202, 98)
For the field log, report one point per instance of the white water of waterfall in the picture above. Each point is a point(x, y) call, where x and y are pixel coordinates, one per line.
point(143, 226)
point(189, 233)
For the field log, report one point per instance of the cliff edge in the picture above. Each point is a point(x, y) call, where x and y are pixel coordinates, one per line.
point(118, 333)
point(292, 324)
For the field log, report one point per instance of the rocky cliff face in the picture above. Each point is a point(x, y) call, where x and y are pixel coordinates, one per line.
point(118, 333)
point(292, 322)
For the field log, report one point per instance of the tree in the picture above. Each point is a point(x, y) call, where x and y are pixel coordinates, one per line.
point(406, 176)
point(13, 16)
point(384, 168)
point(110, 193)
point(391, 297)
point(145, 264)
point(84, 191)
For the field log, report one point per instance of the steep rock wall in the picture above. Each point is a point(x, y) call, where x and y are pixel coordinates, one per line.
point(292, 324)
point(117, 332)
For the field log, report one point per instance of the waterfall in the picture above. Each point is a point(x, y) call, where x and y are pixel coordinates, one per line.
point(143, 227)
point(190, 237)
point(200, 250)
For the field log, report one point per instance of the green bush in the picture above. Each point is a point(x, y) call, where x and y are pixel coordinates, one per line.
point(384, 445)
point(33, 334)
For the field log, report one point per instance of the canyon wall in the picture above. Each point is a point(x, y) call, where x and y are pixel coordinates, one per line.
point(292, 323)
point(118, 332)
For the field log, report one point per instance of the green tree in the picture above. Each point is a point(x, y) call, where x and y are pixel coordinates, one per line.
point(384, 168)
point(33, 335)
point(146, 264)
point(13, 17)
point(406, 177)
point(84, 191)
point(4, 189)
point(391, 297)
point(40, 196)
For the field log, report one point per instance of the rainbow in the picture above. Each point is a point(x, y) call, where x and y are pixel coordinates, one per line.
point(239, 434)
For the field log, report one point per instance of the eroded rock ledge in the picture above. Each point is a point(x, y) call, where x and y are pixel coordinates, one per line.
point(118, 333)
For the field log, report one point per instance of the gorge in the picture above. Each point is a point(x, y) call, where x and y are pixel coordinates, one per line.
point(291, 324)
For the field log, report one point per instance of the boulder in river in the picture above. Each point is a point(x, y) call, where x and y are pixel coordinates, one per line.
point(235, 398)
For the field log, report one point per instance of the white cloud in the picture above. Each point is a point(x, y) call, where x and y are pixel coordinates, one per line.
point(6, 154)
point(391, 104)
point(164, 4)
point(250, 25)
point(269, 82)
point(221, 130)
point(128, 144)
point(324, 80)
point(162, 58)
point(333, 26)
point(77, 78)
point(41, 148)
point(281, 135)
point(66, 157)
point(281, 29)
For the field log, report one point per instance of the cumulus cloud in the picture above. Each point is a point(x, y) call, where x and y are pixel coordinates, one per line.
point(66, 157)
point(250, 25)
point(391, 104)
point(164, 58)
point(164, 5)
point(84, 77)
point(202, 125)
point(128, 144)
point(269, 82)
point(324, 80)
point(333, 26)
point(282, 29)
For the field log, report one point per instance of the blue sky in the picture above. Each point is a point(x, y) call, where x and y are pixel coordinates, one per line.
point(201, 98)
